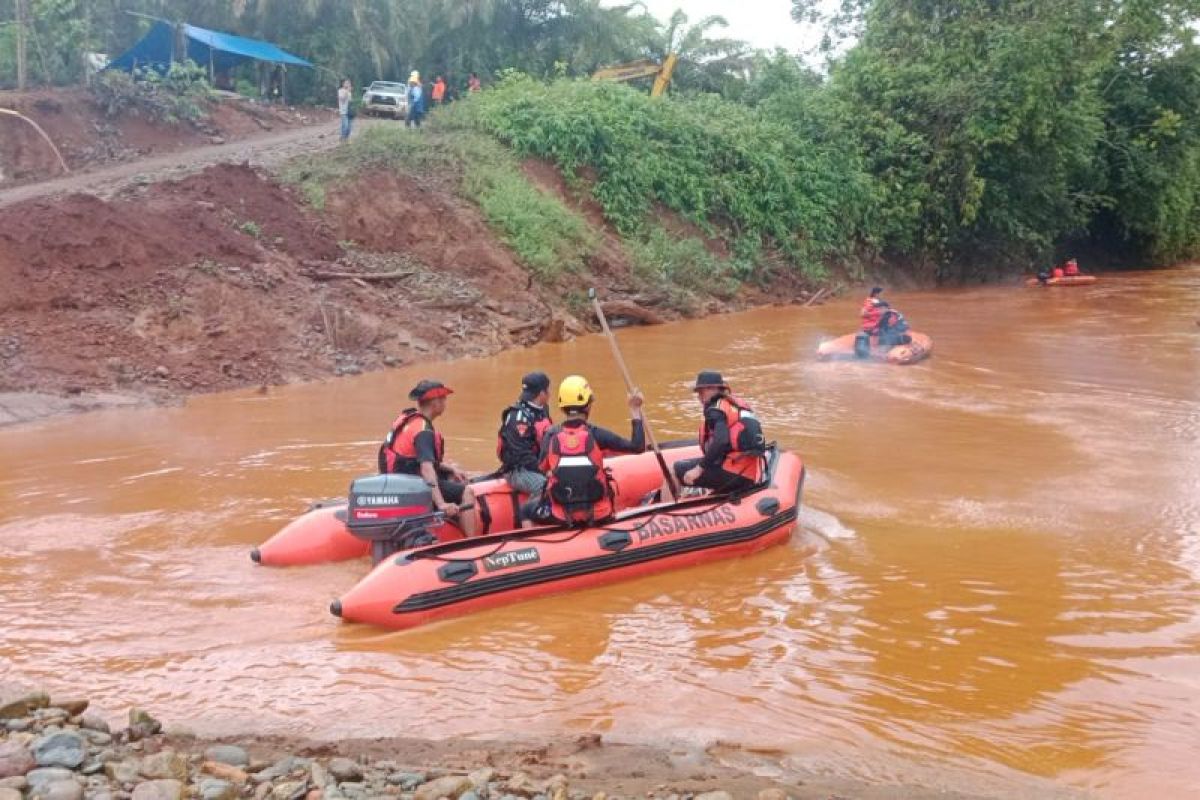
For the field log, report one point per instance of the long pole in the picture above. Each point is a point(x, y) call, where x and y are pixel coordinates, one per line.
point(9, 112)
point(21, 70)
point(616, 350)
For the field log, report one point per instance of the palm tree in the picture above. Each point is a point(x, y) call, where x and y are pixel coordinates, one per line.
point(705, 64)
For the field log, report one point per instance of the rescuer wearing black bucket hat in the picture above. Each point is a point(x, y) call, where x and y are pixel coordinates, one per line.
point(519, 441)
point(413, 447)
point(731, 440)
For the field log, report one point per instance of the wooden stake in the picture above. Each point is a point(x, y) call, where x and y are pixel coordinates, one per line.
point(22, 72)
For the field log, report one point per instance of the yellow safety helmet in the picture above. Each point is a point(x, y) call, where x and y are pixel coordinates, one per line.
point(574, 392)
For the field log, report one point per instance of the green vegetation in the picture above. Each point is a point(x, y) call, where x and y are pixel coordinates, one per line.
point(546, 235)
point(961, 139)
point(384, 39)
point(718, 164)
point(181, 94)
point(251, 228)
point(682, 267)
point(1004, 134)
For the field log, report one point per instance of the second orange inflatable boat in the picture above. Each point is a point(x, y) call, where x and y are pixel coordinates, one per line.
point(1065, 280)
point(842, 348)
point(322, 535)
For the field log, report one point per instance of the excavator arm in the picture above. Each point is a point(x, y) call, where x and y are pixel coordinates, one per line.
point(645, 68)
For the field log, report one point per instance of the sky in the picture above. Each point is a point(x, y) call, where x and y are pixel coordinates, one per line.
point(763, 23)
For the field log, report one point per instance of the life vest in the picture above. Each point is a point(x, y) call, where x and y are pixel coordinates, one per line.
point(1072, 268)
point(398, 453)
point(872, 311)
point(745, 438)
point(577, 485)
point(893, 321)
point(527, 427)
point(1058, 272)
point(439, 90)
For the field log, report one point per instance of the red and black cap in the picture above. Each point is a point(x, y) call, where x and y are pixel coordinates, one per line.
point(429, 390)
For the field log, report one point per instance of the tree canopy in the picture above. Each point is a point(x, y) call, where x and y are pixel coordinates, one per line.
point(961, 138)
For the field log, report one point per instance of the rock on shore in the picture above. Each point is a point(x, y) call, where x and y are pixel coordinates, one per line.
point(52, 749)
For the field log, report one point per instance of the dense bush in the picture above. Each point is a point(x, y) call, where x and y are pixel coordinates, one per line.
point(181, 93)
point(725, 166)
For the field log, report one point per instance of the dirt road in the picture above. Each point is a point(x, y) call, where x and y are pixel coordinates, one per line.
point(267, 150)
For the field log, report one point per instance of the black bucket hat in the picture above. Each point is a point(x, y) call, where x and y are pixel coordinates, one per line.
point(708, 379)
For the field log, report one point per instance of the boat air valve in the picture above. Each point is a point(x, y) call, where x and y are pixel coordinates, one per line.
point(768, 506)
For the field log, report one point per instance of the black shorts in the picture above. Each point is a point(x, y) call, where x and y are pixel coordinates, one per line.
point(452, 491)
point(716, 479)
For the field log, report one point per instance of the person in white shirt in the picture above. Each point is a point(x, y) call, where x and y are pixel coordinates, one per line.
point(343, 97)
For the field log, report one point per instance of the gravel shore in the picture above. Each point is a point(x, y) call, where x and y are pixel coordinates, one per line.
point(55, 749)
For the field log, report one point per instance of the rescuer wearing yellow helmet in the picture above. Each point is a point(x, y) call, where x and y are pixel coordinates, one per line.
point(578, 490)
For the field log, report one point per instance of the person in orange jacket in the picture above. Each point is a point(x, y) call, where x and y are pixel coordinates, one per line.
point(731, 440)
point(872, 310)
point(439, 91)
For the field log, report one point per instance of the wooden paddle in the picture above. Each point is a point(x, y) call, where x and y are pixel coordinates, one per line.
point(672, 488)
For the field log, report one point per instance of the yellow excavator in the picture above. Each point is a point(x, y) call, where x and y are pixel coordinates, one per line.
point(641, 69)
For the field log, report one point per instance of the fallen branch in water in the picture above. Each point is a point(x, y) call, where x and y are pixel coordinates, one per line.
point(631, 313)
point(820, 293)
point(364, 276)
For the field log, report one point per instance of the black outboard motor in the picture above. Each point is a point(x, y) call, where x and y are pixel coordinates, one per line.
point(393, 513)
point(862, 345)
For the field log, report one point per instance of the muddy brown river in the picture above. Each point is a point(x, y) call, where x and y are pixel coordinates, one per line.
point(995, 583)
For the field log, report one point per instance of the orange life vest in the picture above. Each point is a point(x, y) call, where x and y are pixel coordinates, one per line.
point(1058, 272)
point(745, 438)
point(577, 485)
point(398, 453)
point(1072, 267)
point(872, 310)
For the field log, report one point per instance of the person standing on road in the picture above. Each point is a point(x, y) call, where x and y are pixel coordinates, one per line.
point(416, 101)
point(343, 98)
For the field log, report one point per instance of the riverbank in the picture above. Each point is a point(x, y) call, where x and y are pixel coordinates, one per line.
point(163, 287)
point(56, 748)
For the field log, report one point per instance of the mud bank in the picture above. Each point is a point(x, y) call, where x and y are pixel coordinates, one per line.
point(227, 279)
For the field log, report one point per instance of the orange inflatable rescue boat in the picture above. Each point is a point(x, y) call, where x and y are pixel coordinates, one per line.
point(322, 534)
point(421, 584)
point(1063, 280)
point(919, 347)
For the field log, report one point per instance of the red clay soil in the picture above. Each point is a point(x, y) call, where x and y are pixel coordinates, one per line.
point(226, 279)
point(222, 280)
point(87, 138)
point(388, 212)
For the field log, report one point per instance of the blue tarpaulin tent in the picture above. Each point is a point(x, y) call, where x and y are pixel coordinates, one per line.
point(211, 49)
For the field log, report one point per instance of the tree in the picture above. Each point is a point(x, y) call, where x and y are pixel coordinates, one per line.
point(704, 63)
